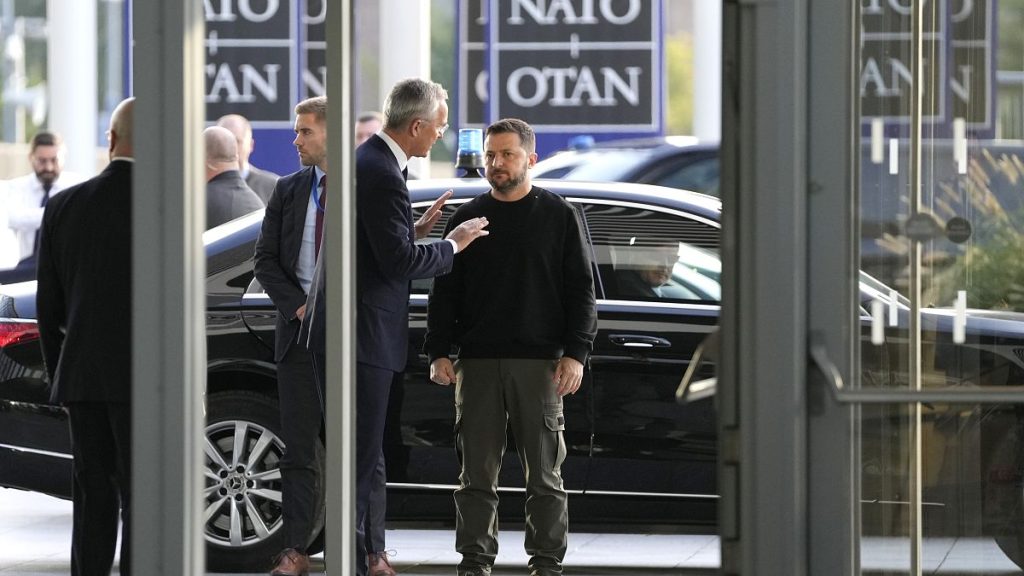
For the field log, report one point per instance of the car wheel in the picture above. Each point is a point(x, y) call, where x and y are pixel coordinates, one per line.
point(1003, 481)
point(242, 497)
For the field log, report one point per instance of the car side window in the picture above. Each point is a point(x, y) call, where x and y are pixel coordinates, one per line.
point(646, 254)
point(699, 176)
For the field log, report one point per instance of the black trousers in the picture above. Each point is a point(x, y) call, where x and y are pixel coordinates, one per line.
point(373, 386)
point(301, 420)
point(101, 446)
point(373, 527)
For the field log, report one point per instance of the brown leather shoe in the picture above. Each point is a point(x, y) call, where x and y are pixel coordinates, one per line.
point(379, 565)
point(291, 562)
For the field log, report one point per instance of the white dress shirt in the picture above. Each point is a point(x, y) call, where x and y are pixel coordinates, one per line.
point(307, 250)
point(22, 214)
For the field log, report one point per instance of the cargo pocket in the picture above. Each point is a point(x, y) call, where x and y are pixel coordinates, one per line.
point(554, 421)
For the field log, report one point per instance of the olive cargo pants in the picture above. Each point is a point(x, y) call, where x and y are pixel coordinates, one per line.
point(521, 392)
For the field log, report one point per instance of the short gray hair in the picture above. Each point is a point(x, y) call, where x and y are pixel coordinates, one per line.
point(411, 99)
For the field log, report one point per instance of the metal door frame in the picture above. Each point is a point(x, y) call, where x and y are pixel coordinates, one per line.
point(787, 85)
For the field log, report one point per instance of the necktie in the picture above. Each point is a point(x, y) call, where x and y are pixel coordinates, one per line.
point(405, 172)
point(319, 232)
point(46, 194)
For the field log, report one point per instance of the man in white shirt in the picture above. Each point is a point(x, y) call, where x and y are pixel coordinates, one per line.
point(26, 196)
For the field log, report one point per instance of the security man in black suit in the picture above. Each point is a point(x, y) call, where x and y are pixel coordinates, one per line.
point(261, 181)
point(227, 195)
point(84, 310)
point(285, 259)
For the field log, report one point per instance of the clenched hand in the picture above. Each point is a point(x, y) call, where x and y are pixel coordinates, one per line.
point(442, 371)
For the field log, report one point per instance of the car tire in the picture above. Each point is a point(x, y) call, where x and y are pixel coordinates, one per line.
point(242, 522)
point(1003, 482)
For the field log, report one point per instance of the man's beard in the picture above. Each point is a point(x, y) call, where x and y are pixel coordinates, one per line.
point(47, 178)
point(513, 182)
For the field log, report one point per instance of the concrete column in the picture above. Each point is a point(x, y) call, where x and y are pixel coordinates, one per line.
point(168, 288)
point(707, 70)
point(405, 52)
point(71, 77)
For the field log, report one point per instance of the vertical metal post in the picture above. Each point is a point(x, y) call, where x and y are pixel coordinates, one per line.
point(764, 323)
point(833, 127)
point(168, 288)
point(341, 283)
point(917, 95)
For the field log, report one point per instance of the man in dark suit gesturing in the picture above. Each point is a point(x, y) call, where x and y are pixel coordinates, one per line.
point(387, 257)
point(285, 258)
point(84, 311)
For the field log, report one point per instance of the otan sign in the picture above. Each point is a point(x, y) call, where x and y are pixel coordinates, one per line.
point(569, 66)
point(262, 56)
point(958, 64)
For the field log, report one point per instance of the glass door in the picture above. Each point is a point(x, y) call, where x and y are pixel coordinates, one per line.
point(871, 357)
point(937, 331)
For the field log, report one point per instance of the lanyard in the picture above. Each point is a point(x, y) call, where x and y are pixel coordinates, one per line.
point(316, 195)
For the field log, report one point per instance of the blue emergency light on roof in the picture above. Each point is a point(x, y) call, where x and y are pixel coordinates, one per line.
point(469, 161)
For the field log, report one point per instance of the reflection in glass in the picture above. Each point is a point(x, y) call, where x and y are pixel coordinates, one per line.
point(941, 215)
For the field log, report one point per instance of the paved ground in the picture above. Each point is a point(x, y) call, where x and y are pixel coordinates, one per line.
point(35, 536)
point(35, 533)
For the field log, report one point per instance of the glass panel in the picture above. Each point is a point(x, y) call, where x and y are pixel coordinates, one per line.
point(942, 291)
point(970, 488)
point(647, 255)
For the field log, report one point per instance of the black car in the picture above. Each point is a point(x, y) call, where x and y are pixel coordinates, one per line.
point(634, 453)
point(990, 187)
point(680, 162)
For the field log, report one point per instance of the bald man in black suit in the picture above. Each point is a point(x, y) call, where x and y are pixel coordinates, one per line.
point(227, 195)
point(84, 310)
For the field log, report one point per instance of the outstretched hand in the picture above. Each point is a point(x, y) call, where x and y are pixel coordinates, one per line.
point(429, 218)
point(470, 230)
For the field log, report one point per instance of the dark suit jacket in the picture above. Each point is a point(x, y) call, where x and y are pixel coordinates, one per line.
point(387, 257)
point(83, 299)
point(228, 197)
point(262, 182)
point(277, 253)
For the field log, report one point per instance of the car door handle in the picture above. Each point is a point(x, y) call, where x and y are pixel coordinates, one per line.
point(639, 341)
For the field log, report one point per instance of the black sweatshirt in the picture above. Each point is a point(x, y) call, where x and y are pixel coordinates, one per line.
point(526, 290)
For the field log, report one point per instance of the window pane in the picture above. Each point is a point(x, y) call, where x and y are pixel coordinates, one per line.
point(647, 255)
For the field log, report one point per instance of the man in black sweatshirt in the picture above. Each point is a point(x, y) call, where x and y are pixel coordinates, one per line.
point(518, 305)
